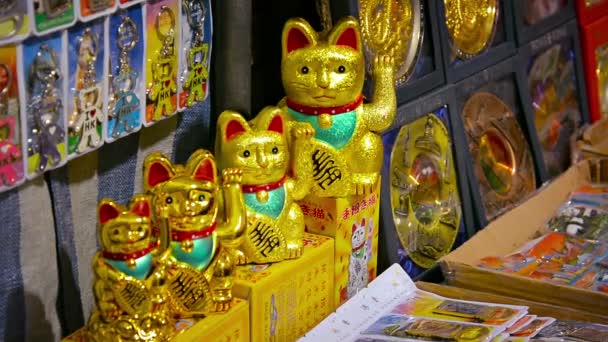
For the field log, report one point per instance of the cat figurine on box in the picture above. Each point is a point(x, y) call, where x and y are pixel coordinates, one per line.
point(202, 238)
point(129, 281)
point(275, 223)
point(357, 268)
point(323, 78)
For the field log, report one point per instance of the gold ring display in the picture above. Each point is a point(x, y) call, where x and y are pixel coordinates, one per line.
point(502, 158)
point(424, 191)
point(601, 57)
point(392, 28)
point(471, 25)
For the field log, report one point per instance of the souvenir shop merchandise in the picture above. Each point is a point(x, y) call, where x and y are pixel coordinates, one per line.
point(11, 143)
point(275, 223)
point(43, 76)
point(594, 41)
point(590, 10)
point(14, 21)
point(126, 89)
point(533, 18)
point(202, 238)
point(86, 105)
point(93, 9)
point(52, 15)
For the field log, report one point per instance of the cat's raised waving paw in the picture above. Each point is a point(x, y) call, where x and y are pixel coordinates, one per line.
point(383, 64)
point(232, 176)
point(303, 131)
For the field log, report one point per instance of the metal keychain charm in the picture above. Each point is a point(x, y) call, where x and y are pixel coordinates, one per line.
point(98, 5)
point(10, 153)
point(8, 16)
point(89, 96)
point(54, 8)
point(45, 108)
point(197, 73)
point(125, 82)
point(164, 85)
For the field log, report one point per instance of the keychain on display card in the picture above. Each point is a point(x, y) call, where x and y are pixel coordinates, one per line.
point(93, 9)
point(194, 54)
point(52, 15)
point(125, 87)
point(128, 3)
point(14, 21)
point(11, 154)
point(43, 110)
point(161, 60)
point(86, 96)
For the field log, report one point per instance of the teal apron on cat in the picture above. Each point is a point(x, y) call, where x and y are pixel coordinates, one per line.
point(273, 207)
point(143, 266)
point(202, 253)
point(339, 134)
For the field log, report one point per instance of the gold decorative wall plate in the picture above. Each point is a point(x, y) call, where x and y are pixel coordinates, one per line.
point(424, 192)
point(392, 28)
point(500, 153)
point(601, 57)
point(471, 25)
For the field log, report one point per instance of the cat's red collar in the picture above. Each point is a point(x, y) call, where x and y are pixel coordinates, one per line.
point(310, 110)
point(128, 256)
point(183, 235)
point(356, 249)
point(263, 187)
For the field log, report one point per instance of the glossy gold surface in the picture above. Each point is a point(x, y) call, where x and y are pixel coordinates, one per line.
point(424, 191)
point(128, 308)
point(187, 198)
point(502, 158)
point(259, 148)
point(324, 72)
point(392, 28)
point(471, 25)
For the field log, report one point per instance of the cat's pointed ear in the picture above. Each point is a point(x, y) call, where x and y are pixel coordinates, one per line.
point(107, 210)
point(231, 124)
point(346, 33)
point(157, 169)
point(140, 206)
point(271, 119)
point(297, 34)
point(201, 166)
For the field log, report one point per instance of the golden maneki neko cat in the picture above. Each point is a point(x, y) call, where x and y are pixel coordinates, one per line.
point(201, 237)
point(129, 281)
point(275, 223)
point(323, 79)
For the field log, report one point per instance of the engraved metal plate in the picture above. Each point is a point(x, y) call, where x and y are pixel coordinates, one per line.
point(500, 152)
point(471, 25)
point(393, 28)
point(424, 191)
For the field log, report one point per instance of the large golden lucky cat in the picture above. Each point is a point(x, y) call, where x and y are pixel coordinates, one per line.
point(201, 237)
point(275, 223)
point(323, 79)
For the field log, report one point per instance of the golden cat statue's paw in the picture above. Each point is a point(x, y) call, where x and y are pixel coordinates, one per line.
point(232, 176)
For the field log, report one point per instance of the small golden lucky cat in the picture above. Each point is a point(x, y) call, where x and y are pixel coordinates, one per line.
point(129, 281)
point(201, 237)
point(275, 223)
point(323, 79)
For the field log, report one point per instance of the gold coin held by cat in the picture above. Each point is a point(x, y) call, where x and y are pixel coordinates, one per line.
point(471, 25)
point(499, 149)
point(325, 121)
point(262, 196)
point(392, 28)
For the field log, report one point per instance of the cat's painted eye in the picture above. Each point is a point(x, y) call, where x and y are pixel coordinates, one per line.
point(341, 69)
point(201, 198)
point(246, 153)
point(116, 232)
point(305, 70)
point(169, 200)
point(275, 150)
point(140, 229)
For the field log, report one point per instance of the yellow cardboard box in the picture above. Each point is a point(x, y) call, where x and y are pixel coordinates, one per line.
point(288, 298)
point(232, 326)
point(353, 223)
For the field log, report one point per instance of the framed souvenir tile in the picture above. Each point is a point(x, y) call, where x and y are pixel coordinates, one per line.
point(594, 40)
point(406, 30)
point(533, 18)
point(491, 122)
point(425, 207)
point(474, 35)
point(588, 11)
point(553, 90)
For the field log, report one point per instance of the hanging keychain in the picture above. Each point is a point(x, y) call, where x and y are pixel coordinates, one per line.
point(162, 87)
point(13, 21)
point(52, 15)
point(45, 110)
point(92, 9)
point(124, 117)
point(11, 161)
point(194, 80)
